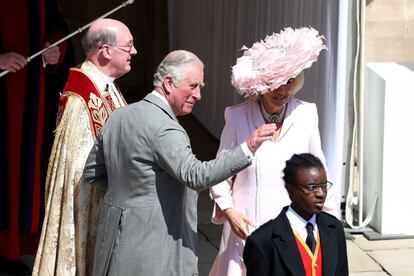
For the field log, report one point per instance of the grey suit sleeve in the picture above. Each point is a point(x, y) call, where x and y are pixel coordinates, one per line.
point(172, 151)
point(95, 169)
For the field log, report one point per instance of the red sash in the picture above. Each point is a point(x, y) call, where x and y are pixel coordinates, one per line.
point(99, 107)
point(312, 263)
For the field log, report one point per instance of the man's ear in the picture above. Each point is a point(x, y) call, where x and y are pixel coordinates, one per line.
point(106, 51)
point(168, 84)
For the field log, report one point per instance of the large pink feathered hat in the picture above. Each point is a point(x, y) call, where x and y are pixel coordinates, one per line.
point(271, 62)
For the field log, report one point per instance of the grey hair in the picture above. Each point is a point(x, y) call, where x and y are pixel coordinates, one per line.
point(175, 65)
point(93, 40)
point(297, 85)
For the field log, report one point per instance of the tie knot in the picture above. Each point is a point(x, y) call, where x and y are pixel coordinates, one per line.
point(309, 227)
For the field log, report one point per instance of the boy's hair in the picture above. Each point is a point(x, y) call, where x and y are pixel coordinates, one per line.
point(297, 162)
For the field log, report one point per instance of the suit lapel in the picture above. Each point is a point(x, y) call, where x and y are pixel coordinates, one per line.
point(256, 115)
point(289, 117)
point(327, 234)
point(162, 105)
point(284, 240)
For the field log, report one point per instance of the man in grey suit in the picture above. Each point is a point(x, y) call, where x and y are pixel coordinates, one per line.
point(148, 218)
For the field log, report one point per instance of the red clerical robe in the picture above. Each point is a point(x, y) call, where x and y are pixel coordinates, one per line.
point(67, 243)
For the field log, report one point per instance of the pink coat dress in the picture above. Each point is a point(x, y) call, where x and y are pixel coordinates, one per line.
point(258, 191)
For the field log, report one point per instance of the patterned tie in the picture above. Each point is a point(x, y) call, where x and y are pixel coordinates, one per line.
point(310, 239)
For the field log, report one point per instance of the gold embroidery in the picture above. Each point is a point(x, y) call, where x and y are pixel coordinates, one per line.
point(69, 209)
point(99, 115)
point(72, 206)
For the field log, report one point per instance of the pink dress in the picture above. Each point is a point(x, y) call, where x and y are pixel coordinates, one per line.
point(258, 191)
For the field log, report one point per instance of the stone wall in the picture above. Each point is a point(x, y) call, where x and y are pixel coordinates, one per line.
point(389, 31)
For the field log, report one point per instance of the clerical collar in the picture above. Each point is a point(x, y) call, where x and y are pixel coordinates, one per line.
point(272, 118)
point(91, 70)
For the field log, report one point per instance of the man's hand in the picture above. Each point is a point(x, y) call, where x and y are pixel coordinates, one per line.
point(52, 55)
point(263, 133)
point(12, 61)
point(239, 222)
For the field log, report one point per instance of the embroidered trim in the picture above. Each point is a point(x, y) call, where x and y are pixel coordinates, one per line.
point(98, 108)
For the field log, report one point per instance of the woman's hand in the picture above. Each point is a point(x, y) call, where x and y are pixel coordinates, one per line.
point(239, 222)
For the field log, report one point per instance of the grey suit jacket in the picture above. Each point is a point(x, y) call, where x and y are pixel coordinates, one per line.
point(148, 218)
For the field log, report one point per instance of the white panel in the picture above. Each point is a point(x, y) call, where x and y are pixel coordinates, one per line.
point(388, 145)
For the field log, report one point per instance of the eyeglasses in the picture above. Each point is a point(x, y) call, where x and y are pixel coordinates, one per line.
point(125, 48)
point(313, 187)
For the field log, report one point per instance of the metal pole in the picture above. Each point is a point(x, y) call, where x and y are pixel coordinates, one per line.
point(79, 30)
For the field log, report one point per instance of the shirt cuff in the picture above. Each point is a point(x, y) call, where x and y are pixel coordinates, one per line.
point(224, 202)
point(247, 151)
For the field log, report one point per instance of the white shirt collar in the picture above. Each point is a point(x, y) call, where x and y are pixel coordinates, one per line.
point(299, 224)
point(89, 68)
point(161, 97)
point(103, 83)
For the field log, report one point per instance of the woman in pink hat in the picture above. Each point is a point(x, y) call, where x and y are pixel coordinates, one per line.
point(269, 73)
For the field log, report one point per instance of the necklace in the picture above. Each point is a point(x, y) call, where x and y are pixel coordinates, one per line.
point(272, 118)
